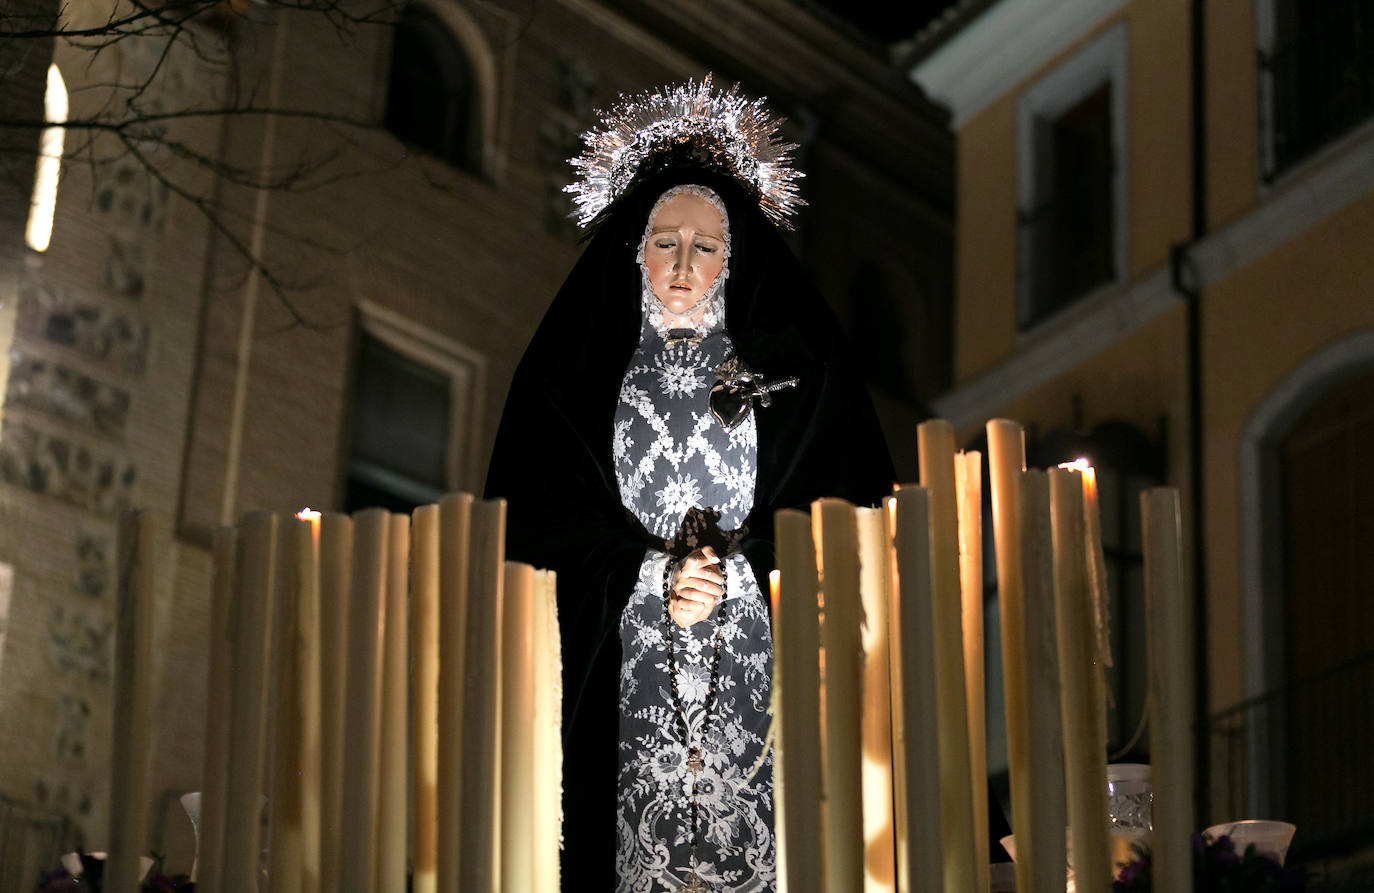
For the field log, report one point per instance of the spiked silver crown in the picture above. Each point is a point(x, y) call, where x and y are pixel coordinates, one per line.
point(692, 123)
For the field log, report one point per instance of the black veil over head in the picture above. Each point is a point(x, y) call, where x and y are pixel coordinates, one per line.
point(778, 321)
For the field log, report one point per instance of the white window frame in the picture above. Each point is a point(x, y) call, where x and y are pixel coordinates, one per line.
point(1102, 61)
point(467, 372)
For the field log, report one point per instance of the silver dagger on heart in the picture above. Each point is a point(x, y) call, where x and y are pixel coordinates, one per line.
point(734, 394)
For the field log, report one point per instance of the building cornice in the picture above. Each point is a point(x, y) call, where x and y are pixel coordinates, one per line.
point(801, 62)
point(996, 51)
point(1305, 199)
point(1059, 345)
point(630, 34)
point(1302, 199)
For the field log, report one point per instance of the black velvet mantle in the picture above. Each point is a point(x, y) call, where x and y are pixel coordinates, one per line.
point(552, 463)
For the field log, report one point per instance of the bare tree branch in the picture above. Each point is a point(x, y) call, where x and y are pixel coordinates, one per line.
point(129, 118)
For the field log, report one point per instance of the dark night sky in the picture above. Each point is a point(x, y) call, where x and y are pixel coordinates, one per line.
point(885, 20)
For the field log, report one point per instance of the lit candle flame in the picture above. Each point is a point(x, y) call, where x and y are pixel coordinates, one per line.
point(309, 514)
point(773, 577)
point(1081, 464)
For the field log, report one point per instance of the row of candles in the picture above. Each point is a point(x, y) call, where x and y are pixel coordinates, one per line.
point(880, 786)
point(881, 767)
point(389, 680)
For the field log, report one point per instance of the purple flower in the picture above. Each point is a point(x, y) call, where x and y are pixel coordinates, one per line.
point(1221, 853)
point(1218, 868)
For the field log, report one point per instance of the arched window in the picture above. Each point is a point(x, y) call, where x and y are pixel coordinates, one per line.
point(1308, 633)
point(431, 96)
point(44, 203)
point(1327, 620)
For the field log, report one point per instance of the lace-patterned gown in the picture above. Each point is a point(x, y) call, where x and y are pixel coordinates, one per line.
point(671, 455)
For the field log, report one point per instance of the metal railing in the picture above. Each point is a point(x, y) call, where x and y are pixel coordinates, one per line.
point(1302, 754)
point(1317, 80)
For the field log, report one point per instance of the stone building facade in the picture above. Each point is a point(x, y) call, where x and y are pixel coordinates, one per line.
point(154, 362)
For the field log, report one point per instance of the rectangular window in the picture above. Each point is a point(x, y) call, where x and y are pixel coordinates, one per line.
point(1316, 76)
point(1071, 188)
point(412, 416)
point(1070, 232)
point(400, 431)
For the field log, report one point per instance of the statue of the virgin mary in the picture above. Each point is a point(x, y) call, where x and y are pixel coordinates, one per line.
point(687, 382)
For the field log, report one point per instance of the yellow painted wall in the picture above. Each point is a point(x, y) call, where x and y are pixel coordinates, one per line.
point(1259, 325)
point(985, 241)
point(1159, 171)
point(1232, 160)
point(1137, 380)
point(1157, 180)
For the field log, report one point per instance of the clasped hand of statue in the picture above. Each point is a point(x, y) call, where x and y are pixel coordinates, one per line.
point(697, 588)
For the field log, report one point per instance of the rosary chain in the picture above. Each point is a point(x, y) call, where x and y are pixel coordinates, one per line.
point(679, 712)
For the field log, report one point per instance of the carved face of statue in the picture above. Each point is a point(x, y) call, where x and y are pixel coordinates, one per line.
point(684, 253)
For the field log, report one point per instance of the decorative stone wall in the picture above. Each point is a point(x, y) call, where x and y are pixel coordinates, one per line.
point(79, 365)
point(107, 333)
point(94, 564)
point(66, 470)
point(132, 204)
point(80, 640)
point(53, 387)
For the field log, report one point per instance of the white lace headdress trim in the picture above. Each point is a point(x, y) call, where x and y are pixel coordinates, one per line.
point(713, 317)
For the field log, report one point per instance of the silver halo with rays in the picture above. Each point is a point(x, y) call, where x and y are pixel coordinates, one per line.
point(726, 131)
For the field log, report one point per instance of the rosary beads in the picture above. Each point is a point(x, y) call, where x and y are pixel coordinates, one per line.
point(696, 761)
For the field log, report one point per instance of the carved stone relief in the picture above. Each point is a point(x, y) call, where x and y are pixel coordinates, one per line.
point(131, 204)
point(64, 796)
point(105, 332)
point(80, 639)
point(69, 735)
point(54, 388)
point(92, 572)
point(70, 472)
